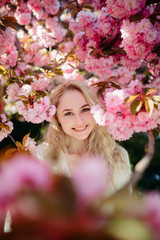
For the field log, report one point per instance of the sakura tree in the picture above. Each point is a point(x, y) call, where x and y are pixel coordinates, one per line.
point(115, 47)
point(112, 45)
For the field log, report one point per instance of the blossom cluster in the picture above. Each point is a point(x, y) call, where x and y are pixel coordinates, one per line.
point(8, 51)
point(139, 38)
point(93, 32)
point(47, 42)
point(38, 8)
point(117, 116)
point(36, 111)
point(125, 8)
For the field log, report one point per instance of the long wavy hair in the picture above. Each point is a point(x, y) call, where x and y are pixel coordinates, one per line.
point(99, 142)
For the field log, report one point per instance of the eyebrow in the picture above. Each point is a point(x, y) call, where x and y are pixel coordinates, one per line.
point(85, 105)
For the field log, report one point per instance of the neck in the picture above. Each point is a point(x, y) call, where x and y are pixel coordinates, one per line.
point(76, 147)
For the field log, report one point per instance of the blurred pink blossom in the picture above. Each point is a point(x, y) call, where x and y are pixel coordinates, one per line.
point(90, 179)
point(21, 172)
point(150, 211)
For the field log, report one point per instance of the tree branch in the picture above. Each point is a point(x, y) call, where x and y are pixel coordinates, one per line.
point(142, 165)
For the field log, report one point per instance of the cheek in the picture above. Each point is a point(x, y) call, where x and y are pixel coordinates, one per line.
point(91, 118)
point(64, 121)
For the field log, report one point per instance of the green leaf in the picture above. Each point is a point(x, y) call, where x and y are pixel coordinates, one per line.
point(135, 106)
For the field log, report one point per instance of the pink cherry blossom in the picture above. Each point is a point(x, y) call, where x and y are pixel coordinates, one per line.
point(6, 38)
point(99, 65)
point(90, 179)
point(74, 26)
point(143, 122)
point(98, 114)
point(23, 14)
point(22, 171)
point(86, 19)
point(3, 131)
point(56, 28)
point(121, 128)
point(130, 64)
point(106, 24)
point(9, 58)
point(138, 38)
point(36, 7)
point(30, 144)
point(37, 111)
point(150, 211)
point(40, 83)
point(12, 91)
point(51, 6)
point(114, 99)
point(124, 8)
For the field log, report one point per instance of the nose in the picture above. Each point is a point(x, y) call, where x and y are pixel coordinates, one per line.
point(78, 119)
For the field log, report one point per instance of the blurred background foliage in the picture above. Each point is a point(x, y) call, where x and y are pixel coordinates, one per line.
point(135, 146)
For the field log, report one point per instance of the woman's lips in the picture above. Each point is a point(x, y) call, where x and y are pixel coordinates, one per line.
point(80, 129)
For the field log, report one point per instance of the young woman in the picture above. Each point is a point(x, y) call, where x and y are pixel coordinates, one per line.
point(74, 134)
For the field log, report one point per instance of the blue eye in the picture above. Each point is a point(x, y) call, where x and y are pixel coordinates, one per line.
point(68, 114)
point(85, 109)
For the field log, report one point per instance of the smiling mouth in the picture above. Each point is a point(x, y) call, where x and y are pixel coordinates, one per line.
point(80, 129)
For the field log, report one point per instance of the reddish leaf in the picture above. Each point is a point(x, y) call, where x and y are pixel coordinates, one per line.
point(25, 139)
point(10, 151)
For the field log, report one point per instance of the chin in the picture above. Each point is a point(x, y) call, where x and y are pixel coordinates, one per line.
point(81, 138)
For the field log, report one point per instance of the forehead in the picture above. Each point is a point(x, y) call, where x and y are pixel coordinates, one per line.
point(71, 99)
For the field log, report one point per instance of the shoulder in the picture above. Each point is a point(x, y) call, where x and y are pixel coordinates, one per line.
point(122, 154)
point(122, 167)
point(41, 152)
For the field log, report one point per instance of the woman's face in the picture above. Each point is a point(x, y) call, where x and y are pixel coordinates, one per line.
point(74, 115)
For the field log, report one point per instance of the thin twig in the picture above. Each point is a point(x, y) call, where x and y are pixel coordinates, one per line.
point(12, 139)
point(142, 165)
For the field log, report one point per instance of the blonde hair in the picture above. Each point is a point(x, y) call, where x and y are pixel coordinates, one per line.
point(99, 142)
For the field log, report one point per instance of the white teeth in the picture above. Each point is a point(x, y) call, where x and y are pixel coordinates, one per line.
point(80, 129)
